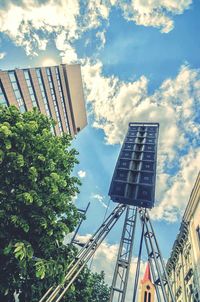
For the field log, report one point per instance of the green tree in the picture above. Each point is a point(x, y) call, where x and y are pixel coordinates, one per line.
point(89, 287)
point(36, 208)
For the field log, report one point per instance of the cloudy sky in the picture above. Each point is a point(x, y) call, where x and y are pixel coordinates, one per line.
point(140, 62)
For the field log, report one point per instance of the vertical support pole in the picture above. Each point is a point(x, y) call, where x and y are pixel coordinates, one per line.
point(80, 223)
point(55, 293)
point(159, 273)
point(137, 273)
point(122, 268)
point(150, 260)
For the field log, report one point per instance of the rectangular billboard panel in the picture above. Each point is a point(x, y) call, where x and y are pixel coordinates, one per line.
point(134, 176)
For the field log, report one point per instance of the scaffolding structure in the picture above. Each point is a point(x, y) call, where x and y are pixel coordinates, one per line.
point(55, 293)
point(133, 188)
point(120, 279)
point(122, 268)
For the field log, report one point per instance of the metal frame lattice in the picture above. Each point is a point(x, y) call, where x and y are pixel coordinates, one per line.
point(73, 240)
point(158, 270)
point(55, 294)
point(120, 278)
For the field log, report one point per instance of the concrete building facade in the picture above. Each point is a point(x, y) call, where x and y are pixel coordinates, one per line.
point(56, 91)
point(183, 265)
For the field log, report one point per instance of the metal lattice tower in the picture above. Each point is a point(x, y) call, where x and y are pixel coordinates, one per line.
point(120, 280)
point(158, 270)
point(55, 293)
point(121, 274)
point(133, 186)
point(73, 240)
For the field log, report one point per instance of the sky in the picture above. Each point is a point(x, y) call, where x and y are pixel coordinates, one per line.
point(140, 62)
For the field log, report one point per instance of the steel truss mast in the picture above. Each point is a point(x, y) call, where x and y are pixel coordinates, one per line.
point(121, 274)
point(55, 294)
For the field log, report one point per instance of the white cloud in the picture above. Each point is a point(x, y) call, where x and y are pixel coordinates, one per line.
point(175, 105)
point(2, 55)
point(124, 102)
point(175, 196)
point(101, 36)
point(100, 199)
point(36, 22)
point(61, 21)
point(65, 21)
point(48, 62)
point(96, 11)
point(67, 51)
point(156, 13)
point(105, 260)
point(81, 174)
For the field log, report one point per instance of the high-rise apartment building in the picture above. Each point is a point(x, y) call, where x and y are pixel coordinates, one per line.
point(56, 91)
point(183, 265)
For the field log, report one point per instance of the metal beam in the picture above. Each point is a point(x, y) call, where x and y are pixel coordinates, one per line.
point(73, 240)
point(55, 294)
point(158, 270)
point(122, 268)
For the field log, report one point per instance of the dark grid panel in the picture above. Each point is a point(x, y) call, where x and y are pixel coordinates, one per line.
point(133, 180)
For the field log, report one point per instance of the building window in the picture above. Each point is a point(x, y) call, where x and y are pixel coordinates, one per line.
point(53, 95)
point(62, 98)
point(3, 99)
point(30, 88)
point(178, 275)
point(44, 95)
point(43, 92)
point(198, 234)
point(17, 91)
point(145, 296)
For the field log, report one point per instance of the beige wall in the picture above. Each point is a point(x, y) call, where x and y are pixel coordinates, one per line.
point(185, 255)
point(194, 224)
point(76, 93)
point(37, 90)
point(71, 83)
point(58, 99)
point(66, 99)
point(148, 287)
point(50, 100)
point(24, 89)
point(8, 88)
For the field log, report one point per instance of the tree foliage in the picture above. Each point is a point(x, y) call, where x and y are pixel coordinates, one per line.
point(36, 208)
point(89, 287)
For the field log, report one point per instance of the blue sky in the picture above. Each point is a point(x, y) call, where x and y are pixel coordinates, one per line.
point(140, 62)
